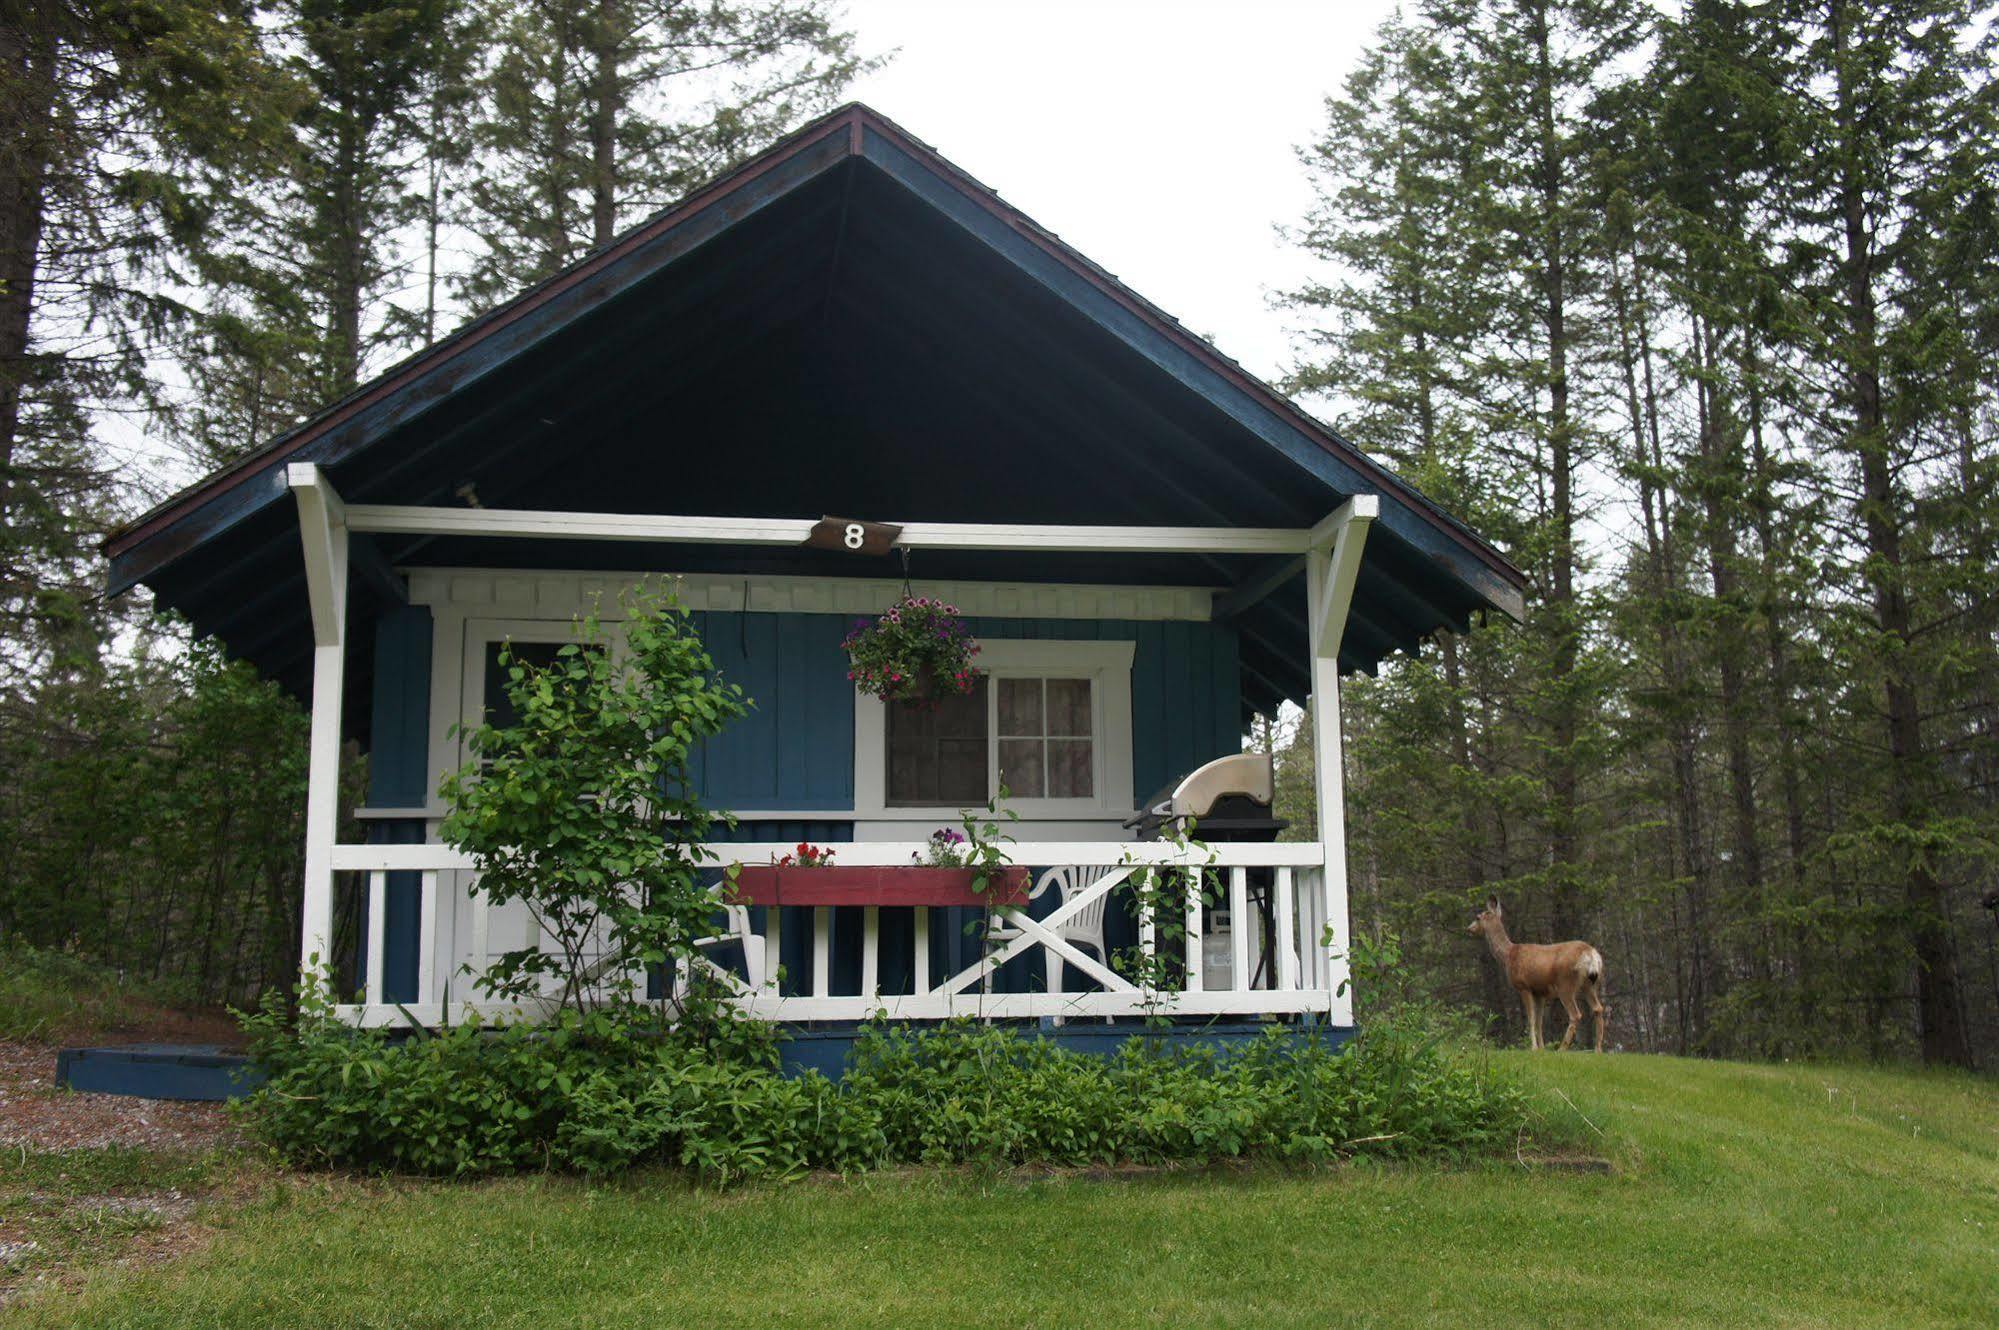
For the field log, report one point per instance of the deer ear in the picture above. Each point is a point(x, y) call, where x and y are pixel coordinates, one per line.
point(1492, 903)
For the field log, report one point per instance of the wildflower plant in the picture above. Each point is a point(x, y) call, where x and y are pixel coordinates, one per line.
point(918, 651)
point(806, 855)
point(945, 849)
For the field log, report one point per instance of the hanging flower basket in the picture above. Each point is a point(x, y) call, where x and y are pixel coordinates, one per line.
point(919, 651)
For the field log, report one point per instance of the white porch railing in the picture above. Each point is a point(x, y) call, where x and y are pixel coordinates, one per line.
point(1278, 897)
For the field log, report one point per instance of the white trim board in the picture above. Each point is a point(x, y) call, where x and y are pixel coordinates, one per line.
point(528, 593)
point(399, 519)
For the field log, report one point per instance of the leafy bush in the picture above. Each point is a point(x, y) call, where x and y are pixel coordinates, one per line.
point(592, 1091)
point(152, 819)
point(585, 808)
point(989, 1095)
point(600, 1091)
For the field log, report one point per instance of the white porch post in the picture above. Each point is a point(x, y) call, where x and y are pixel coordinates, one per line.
point(323, 530)
point(1332, 562)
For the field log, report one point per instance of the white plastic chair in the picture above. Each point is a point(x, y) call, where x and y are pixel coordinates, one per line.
point(1083, 929)
point(736, 928)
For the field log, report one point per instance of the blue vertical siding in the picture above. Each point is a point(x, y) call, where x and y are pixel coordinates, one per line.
point(399, 718)
point(796, 747)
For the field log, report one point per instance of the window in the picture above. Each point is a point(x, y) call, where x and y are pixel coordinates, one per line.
point(1045, 738)
point(499, 707)
point(483, 683)
point(1051, 719)
point(943, 754)
point(938, 755)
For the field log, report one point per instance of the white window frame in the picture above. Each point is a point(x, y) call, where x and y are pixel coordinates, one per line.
point(1107, 665)
point(482, 634)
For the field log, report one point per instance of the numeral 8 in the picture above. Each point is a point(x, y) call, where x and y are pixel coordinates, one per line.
point(855, 536)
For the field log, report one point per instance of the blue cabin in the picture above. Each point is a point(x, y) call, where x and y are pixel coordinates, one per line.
point(1150, 546)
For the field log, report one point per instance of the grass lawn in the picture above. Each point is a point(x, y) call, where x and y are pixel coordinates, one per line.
point(1742, 1195)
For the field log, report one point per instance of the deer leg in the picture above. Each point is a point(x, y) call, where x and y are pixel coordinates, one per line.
point(1533, 1025)
point(1575, 1019)
point(1600, 1011)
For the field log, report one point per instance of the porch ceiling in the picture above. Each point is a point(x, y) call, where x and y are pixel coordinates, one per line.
point(841, 330)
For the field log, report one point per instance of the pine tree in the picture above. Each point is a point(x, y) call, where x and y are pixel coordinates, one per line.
point(597, 111)
point(119, 131)
point(308, 292)
point(1780, 653)
point(1398, 355)
point(1887, 102)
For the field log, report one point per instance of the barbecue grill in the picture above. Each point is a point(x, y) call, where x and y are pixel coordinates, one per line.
point(1227, 799)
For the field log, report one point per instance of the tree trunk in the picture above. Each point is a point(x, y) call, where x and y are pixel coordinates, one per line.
point(1777, 654)
point(28, 86)
point(1720, 493)
point(1691, 962)
point(433, 213)
point(606, 43)
point(348, 245)
point(1561, 600)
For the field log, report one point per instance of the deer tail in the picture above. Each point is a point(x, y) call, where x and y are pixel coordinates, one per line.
point(1592, 964)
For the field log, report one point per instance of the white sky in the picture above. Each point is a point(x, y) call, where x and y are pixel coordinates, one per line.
point(1156, 136)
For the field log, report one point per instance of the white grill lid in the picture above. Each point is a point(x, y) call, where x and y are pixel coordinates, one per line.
point(1250, 774)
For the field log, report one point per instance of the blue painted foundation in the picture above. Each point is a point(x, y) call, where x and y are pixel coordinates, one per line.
point(206, 1072)
point(159, 1071)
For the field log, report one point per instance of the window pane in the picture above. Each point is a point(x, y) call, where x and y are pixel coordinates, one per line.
point(1020, 768)
point(912, 771)
point(1069, 769)
point(959, 716)
point(937, 754)
point(961, 771)
point(499, 708)
point(1068, 707)
point(1020, 706)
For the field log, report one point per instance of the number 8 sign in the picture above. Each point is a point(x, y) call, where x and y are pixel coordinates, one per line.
point(852, 536)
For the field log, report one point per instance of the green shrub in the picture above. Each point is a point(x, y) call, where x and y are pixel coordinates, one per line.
point(602, 1091)
point(585, 808)
point(590, 1091)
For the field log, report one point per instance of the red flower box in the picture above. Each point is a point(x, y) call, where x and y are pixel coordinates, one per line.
point(906, 884)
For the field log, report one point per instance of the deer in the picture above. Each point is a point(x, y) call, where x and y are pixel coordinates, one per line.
point(1542, 970)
